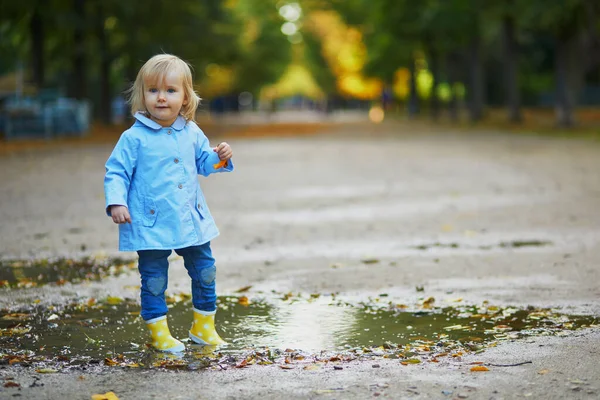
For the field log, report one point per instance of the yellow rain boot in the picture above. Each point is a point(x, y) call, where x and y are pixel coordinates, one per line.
point(203, 329)
point(161, 336)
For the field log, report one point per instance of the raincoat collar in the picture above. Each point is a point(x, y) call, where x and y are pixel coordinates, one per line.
point(179, 123)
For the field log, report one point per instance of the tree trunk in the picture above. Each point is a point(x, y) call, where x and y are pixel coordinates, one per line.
point(104, 105)
point(36, 29)
point(79, 82)
point(511, 81)
point(434, 102)
point(413, 97)
point(476, 89)
point(564, 101)
point(453, 106)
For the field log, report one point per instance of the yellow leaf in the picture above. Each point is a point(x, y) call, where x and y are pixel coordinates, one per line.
point(312, 367)
point(410, 361)
point(447, 228)
point(243, 300)
point(46, 370)
point(479, 368)
point(105, 396)
point(429, 301)
point(110, 362)
point(114, 300)
point(543, 371)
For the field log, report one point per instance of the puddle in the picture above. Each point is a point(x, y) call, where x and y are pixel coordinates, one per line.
point(30, 273)
point(267, 329)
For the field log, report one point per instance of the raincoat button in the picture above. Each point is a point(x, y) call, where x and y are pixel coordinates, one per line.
point(152, 212)
point(176, 160)
point(180, 186)
point(199, 206)
point(169, 132)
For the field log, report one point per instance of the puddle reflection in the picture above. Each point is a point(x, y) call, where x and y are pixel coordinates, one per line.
point(114, 333)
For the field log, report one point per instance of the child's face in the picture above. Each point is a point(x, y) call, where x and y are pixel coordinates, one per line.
point(164, 100)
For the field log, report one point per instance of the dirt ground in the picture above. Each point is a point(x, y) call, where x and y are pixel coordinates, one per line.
point(298, 205)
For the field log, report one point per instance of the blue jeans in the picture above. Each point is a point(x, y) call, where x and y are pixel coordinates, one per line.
point(154, 266)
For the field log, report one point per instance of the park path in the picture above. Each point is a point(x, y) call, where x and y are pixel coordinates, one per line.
point(481, 215)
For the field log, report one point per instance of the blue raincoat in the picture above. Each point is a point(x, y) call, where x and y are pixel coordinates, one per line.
point(153, 170)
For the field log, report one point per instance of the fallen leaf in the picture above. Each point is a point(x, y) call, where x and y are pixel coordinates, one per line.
point(46, 370)
point(16, 316)
point(286, 367)
point(243, 301)
point(243, 289)
point(447, 228)
point(479, 368)
point(105, 396)
point(11, 384)
point(428, 302)
point(369, 260)
point(110, 362)
point(410, 361)
point(543, 371)
point(112, 300)
point(312, 367)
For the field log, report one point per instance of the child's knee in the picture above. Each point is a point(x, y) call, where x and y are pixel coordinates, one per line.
point(157, 285)
point(208, 274)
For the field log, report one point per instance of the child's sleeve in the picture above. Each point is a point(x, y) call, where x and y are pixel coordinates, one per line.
point(207, 160)
point(120, 168)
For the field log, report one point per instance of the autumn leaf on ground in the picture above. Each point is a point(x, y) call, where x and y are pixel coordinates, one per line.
point(243, 301)
point(11, 384)
point(112, 300)
point(479, 368)
point(243, 289)
point(410, 361)
point(105, 396)
point(543, 371)
point(46, 370)
point(369, 260)
point(428, 302)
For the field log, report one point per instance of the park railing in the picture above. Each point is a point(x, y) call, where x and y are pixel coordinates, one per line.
point(27, 117)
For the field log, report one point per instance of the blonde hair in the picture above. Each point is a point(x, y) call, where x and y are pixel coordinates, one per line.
point(156, 68)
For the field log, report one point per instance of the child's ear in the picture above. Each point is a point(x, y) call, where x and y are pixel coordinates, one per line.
point(185, 100)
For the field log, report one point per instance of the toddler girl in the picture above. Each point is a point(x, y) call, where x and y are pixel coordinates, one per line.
point(152, 192)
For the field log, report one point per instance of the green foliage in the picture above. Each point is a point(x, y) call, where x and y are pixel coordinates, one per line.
point(262, 59)
point(201, 32)
point(317, 64)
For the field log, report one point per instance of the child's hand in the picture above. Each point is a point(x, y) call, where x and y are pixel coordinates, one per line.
point(120, 214)
point(224, 151)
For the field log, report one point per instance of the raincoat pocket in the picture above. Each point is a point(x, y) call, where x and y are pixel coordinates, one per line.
point(150, 212)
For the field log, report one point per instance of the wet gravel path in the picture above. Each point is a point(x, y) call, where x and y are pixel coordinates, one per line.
point(363, 210)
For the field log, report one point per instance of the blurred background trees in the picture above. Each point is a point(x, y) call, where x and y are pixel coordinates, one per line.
point(441, 56)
